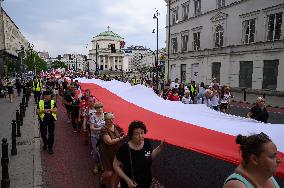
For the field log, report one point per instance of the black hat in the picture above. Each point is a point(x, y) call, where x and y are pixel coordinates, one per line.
point(46, 93)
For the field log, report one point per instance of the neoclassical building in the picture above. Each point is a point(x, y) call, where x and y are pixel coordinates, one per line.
point(11, 42)
point(107, 52)
point(240, 42)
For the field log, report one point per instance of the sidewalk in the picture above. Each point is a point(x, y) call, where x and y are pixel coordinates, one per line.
point(25, 167)
point(273, 101)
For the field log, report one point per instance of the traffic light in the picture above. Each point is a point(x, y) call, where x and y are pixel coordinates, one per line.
point(112, 48)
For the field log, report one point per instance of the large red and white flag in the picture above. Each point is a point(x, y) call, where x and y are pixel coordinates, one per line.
point(195, 127)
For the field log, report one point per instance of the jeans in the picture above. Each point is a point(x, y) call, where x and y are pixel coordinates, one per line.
point(95, 151)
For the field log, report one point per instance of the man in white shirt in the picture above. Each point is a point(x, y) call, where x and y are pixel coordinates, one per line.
point(174, 84)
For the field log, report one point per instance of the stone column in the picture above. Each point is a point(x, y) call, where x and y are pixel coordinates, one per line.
point(99, 62)
point(108, 61)
point(104, 59)
point(113, 60)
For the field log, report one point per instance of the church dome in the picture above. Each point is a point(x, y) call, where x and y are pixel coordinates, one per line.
point(109, 34)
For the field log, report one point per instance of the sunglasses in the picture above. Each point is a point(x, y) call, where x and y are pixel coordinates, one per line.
point(98, 107)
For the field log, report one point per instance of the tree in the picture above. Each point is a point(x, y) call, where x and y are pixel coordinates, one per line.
point(58, 64)
point(11, 65)
point(33, 61)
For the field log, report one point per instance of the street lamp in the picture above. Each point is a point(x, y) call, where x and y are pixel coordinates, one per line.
point(169, 36)
point(96, 73)
point(156, 16)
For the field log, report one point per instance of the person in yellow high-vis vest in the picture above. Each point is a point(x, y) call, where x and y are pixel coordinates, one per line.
point(46, 112)
point(193, 91)
point(37, 84)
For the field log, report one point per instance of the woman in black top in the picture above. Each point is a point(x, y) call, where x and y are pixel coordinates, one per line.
point(134, 159)
point(259, 112)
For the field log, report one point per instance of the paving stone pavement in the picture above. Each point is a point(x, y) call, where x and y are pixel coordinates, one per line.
point(25, 167)
point(274, 101)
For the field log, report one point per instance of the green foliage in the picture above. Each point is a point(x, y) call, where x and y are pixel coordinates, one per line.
point(33, 61)
point(12, 64)
point(58, 64)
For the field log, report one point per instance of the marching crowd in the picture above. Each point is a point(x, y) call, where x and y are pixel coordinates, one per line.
point(125, 159)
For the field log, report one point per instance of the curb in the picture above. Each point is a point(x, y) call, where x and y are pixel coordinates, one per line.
point(37, 168)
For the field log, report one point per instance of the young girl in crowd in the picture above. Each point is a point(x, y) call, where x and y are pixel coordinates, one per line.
point(225, 99)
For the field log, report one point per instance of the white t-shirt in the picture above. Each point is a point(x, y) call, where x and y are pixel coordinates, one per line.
point(99, 122)
point(226, 98)
point(174, 85)
point(215, 99)
point(184, 100)
point(91, 114)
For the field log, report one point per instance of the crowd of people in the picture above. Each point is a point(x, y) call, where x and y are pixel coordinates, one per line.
point(125, 158)
point(10, 88)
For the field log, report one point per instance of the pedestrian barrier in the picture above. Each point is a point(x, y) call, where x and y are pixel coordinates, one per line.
point(18, 123)
point(14, 147)
point(21, 115)
point(5, 181)
point(27, 99)
point(22, 107)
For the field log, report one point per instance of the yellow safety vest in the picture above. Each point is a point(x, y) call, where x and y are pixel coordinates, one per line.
point(37, 87)
point(133, 80)
point(193, 89)
point(41, 108)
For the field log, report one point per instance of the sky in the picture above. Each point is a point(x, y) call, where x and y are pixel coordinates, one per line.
point(68, 26)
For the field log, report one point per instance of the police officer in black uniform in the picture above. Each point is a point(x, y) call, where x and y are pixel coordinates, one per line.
point(46, 111)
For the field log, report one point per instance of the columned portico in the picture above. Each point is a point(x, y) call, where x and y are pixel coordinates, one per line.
point(109, 51)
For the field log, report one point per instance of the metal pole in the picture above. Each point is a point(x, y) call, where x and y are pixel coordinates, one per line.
point(169, 37)
point(5, 181)
point(14, 148)
point(96, 58)
point(18, 123)
point(157, 62)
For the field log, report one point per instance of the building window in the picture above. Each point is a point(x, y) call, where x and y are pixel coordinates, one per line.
point(184, 42)
point(174, 45)
point(175, 16)
point(102, 60)
point(216, 67)
point(220, 3)
point(105, 66)
point(185, 11)
point(270, 74)
point(196, 41)
point(197, 7)
point(274, 26)
point(249, 31)
point(245, 74)
point(183, 73)
point(219, 36)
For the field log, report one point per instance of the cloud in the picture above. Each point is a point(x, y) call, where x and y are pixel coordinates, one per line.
point(66, 26)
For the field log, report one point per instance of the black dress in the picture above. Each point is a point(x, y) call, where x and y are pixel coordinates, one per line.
point(141, 163)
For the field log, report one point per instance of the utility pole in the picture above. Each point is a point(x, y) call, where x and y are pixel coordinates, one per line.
point(169, 37)
point(156, 16)
point(96, 72)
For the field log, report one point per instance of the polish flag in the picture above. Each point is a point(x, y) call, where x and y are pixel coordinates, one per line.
point(195, 127)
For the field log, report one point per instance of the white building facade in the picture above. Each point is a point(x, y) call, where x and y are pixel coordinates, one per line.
point(240, 42)
point(107, 52)
point(12, 40)
point(75, 61)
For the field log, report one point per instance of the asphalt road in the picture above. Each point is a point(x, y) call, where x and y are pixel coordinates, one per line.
point(182, 168)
